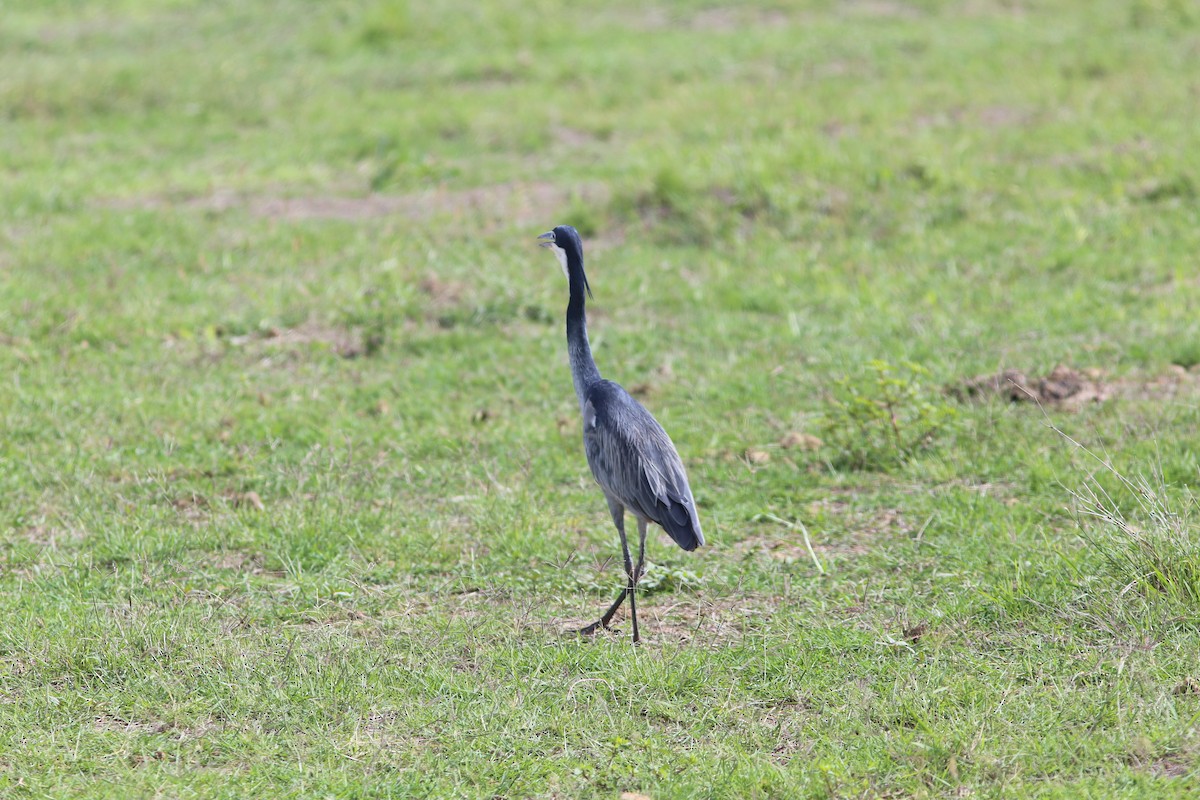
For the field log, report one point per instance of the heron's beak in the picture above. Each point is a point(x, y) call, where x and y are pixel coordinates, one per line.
point(547, 235)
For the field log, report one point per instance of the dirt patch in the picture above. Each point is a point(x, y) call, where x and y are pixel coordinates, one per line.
point(192, 506)
point(800, 441)
point(731, 19)
point(721, 19)
point(1003, 116)
point(442, 294)
point(792, 550)
point(886, 520)
point(108, 722)
point(704, 621)
point(517, 203)
point(237, 561)
point(249, 500)
point(514, 201)
point(575, 137)
point(1170, 767)
point(1068, 387)
point(379, 722)
point(789, 727)
point(1139, 147)
point(197, 508)
point(886, 9)
point(837, 129)
point(862, 529)
point(50, 536)
point(710, 621)
point(390, 730)
point(1175, 381)
point(346, 342)
point(994, 116)
point(296, 209)
point(1061, 384)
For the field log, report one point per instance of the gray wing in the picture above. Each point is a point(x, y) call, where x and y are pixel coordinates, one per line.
point(634, 460)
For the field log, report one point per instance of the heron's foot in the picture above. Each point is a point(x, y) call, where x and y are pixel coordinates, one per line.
point(591, 630)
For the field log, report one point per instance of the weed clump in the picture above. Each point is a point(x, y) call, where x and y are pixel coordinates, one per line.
point(666, 578)
point(883, 416)
point(1150, 546)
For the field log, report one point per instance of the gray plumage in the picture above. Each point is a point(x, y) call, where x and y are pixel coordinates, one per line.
point(633, 460)
point(629, 453)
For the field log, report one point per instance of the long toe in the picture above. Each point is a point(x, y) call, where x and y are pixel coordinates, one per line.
point(595, 627)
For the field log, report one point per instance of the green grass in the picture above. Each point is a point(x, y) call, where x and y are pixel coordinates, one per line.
point(294, 502)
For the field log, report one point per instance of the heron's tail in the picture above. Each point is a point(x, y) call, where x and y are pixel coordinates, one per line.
point(683, 525)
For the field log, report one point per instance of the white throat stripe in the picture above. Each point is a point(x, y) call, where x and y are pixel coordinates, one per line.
point(562, 259)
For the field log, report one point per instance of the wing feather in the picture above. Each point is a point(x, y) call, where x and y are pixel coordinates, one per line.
point(634, 460)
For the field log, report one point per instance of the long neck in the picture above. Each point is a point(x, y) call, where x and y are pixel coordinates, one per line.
point(583, 366)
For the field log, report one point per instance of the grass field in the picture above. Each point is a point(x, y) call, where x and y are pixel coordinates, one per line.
point(294, 502)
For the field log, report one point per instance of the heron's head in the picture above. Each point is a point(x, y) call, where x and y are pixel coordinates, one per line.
point(568, 247)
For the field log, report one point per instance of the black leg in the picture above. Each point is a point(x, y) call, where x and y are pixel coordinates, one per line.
point(641, 565)
point(618, 515)
point(632, 589)
point(608, 615)
point(636, 575)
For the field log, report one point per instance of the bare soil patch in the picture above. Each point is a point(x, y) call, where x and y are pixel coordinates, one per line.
point(512, 203)
point(51, 536)
point(730, 18)
point(720, 19)
point(511, 200)
point(886, 9)
point(236, 561)
point(1067, 387)
point(705, 621)
point(575, 137)
point(791, 550)
point(108, 722)
point(1169, 768)
point(346, 342)
point(862, 529)
point(1000, 116)
point(442, 294)
point(993, 116)
point(192, 506)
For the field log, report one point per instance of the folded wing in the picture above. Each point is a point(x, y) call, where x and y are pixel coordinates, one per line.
point(634, 460)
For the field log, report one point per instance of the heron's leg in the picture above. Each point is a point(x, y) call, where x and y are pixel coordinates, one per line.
point(608, 615)
point(632, 588)
point(641, 565)
point(618, 514)
point(635, 575)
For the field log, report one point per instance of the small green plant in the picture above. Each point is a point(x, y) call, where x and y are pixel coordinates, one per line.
point(883, 416)
point(667, 578)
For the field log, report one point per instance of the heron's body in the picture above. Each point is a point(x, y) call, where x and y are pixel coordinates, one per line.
point(635, 462)
point(630, 454)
